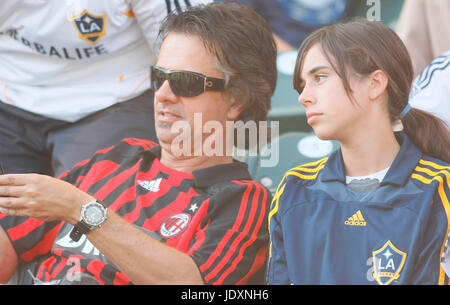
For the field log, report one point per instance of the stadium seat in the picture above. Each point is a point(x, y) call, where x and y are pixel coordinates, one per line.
point(294, 149)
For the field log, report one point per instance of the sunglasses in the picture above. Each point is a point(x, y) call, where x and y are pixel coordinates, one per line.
point(184, 83)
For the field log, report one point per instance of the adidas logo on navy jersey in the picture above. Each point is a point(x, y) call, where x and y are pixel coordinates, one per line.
point(356, 220)
point(152, 186)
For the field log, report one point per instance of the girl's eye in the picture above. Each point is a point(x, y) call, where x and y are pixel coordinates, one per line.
point(319, 77)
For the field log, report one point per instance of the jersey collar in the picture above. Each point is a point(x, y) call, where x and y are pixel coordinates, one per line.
point(399, 172)
point(215, 174)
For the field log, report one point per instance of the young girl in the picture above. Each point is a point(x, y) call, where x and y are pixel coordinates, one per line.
point(377, 210)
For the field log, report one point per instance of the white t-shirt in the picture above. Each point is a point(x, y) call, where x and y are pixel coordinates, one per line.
point(66, 59)
point(378, 176)
point(431, 89)
point(364, 184)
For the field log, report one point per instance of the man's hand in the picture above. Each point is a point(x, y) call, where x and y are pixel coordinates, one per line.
point(143, 259)
point(41, 197)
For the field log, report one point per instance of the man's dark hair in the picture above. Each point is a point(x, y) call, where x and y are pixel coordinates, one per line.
point(243, 45)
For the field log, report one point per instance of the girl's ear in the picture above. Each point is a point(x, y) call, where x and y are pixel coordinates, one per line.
point(377, 84)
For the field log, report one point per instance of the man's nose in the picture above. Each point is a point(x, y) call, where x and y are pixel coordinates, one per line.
point(165, 93)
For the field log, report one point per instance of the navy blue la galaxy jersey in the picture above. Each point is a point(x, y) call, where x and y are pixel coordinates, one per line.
point(216, 215)
point(323, 232)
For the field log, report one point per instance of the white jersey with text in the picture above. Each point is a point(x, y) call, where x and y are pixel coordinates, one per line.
point(431, 89)
point(66, 59)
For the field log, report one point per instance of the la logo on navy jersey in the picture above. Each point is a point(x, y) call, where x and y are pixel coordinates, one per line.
point(388, 261)
point(91, 28)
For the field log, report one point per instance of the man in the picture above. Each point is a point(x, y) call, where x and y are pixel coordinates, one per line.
point(74, 78)
point(171, 218)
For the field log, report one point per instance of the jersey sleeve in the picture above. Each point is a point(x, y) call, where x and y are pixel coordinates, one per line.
point(150, 13)
point(104, 162)
point(434, 244)
point(277, 271)
point(231, 246)
point(30, 237)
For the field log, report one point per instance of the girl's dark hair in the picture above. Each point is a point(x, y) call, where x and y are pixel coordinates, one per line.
point(244, 47)
point(362, 47)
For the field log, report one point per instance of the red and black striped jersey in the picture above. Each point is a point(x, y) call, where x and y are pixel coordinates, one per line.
point(217, 215)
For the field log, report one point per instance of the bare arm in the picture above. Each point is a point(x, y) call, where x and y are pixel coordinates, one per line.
point(8, 258)
point(141, 258)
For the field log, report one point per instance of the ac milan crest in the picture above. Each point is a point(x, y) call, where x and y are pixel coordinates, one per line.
point(174, 225)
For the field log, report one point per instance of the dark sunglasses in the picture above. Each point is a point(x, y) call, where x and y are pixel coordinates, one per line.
point(184, 83)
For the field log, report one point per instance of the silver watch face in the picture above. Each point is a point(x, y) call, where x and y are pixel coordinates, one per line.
point(94, 214)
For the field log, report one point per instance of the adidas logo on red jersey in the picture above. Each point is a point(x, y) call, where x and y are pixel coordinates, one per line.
point(152, 186)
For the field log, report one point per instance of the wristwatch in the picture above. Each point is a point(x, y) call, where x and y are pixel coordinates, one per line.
point(93, 214)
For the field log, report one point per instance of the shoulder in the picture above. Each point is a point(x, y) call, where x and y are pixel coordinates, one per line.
point(229, 182)
point(434, 75)
point(430, 169)
point(305, 173)
point(293, 182)
point(433, 177)
point(134, 145)
point(249, 187)
point(128, 148)
point(241, 200)
point(241, 191)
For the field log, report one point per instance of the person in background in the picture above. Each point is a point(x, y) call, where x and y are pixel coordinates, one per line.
point(292, 20)
point(431, 88)
point(424, 27)
point(376, 211)
point(74, 78)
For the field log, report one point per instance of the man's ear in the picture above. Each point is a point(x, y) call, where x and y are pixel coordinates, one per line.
point(378, 82)
point(234, 111)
